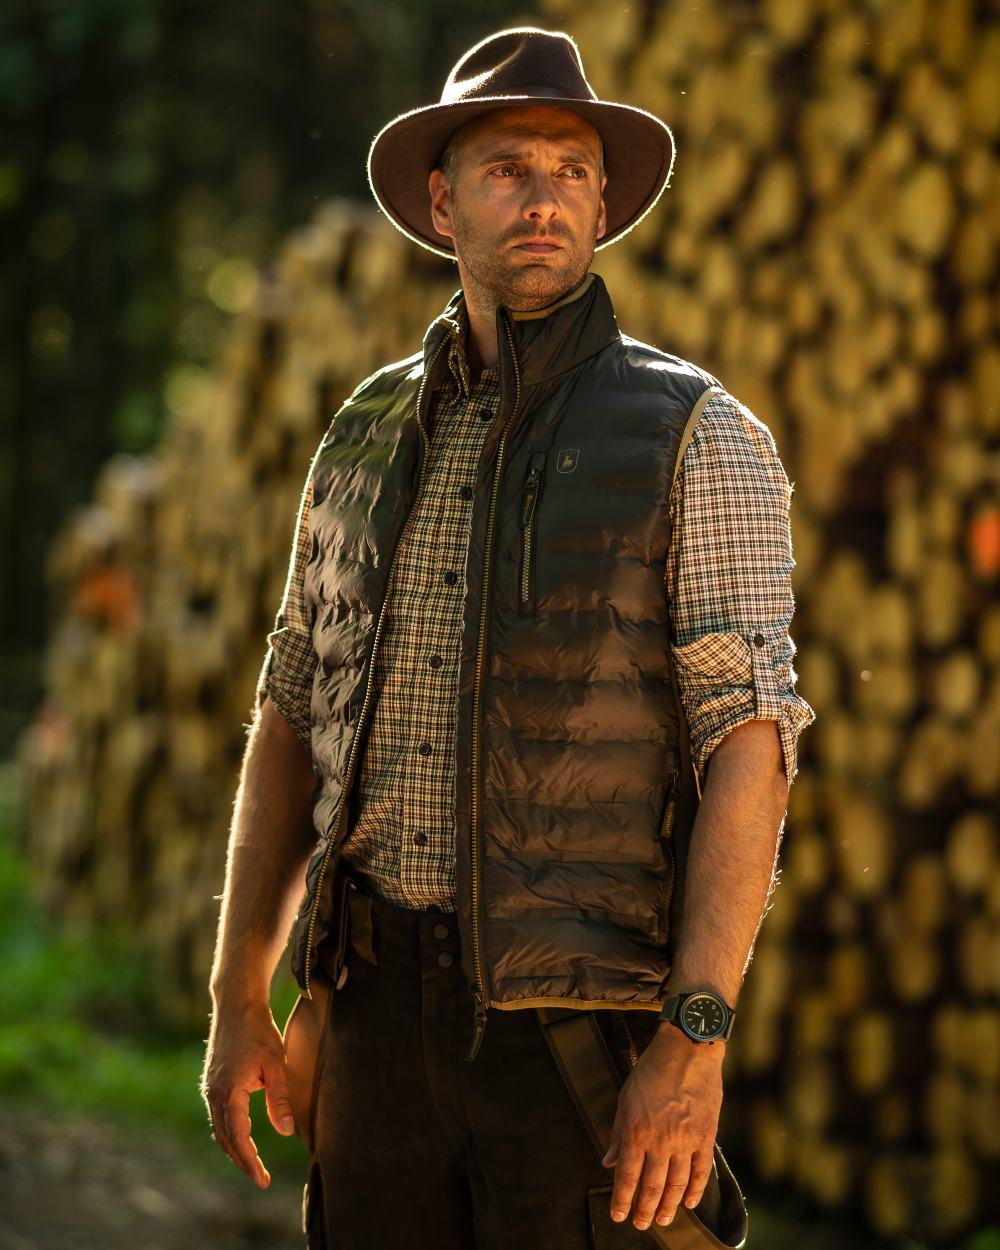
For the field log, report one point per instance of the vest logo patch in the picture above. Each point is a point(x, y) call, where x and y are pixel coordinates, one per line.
point(568, 459)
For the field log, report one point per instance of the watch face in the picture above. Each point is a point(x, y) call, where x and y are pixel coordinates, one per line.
point(704, 1016)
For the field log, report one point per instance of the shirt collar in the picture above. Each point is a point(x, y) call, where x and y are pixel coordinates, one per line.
point(458, 354)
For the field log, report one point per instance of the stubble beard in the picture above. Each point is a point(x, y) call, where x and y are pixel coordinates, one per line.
point(502, 277)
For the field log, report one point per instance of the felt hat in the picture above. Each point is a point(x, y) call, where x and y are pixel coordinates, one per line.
point(509, 69)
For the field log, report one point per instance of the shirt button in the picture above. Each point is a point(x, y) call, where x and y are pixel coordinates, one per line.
point(466, 492)
point(424, 748)
point(758, 640)
point(420, 838)
point(435, 661)
point(441, 930)
point(486, 416)
point(450, 577)
point(446, 959)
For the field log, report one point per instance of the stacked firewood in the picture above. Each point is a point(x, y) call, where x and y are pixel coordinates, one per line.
point(166, 586)
point(828, 247)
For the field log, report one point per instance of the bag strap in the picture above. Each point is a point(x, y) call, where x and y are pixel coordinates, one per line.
point(592, 1079)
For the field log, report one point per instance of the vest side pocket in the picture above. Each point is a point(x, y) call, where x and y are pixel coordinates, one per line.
point(304, 1036)
point(529, 510)
point(666, 837)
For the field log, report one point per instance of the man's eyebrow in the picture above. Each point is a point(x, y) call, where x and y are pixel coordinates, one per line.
point(579, 157)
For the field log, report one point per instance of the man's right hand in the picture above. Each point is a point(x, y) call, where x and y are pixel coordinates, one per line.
point(245, 1052)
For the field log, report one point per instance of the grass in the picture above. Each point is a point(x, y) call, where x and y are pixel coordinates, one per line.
point(83, 1033)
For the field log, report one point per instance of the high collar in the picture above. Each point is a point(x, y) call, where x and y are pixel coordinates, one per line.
point(547, 341)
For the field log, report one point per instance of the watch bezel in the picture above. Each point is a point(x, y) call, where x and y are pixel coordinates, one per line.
point(715, 998)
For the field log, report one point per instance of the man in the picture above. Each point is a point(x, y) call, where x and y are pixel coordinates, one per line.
point(540, 582)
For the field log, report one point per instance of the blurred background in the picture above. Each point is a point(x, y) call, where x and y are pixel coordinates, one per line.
point(195, 276)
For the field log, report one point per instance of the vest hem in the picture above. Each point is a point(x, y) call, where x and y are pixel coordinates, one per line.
point(582, 1004)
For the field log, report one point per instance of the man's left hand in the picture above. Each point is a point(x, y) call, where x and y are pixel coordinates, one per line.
point(663, 1139)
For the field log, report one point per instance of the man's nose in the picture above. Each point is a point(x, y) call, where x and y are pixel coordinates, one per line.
point(540, 196)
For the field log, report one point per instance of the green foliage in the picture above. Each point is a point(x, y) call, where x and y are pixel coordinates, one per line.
point(154, 156)
point(82, 1030)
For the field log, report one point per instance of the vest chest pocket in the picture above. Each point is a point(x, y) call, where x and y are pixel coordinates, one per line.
point(532, 489)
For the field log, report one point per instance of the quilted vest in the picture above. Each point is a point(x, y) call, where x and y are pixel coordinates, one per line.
point(575, 790)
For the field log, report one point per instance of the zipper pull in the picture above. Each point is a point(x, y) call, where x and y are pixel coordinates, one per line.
point(668, 816)
point(529, 500)
point(531, 485)
point(479, 1026)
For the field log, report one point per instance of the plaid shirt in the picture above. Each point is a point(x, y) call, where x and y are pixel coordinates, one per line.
point(727, 581)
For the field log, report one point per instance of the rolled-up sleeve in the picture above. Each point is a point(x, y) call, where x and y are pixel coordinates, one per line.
point(728, 580)
point(287, 674)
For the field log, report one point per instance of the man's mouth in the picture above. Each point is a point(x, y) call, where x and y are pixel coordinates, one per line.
point(540, 248)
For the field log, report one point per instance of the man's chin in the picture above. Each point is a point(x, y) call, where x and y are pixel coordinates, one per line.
point(542, 280)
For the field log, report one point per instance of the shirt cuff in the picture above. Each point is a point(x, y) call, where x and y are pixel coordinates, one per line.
point(727, 679)
point(286, 678)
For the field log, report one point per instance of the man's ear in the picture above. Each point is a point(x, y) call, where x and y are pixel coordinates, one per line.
point(440, 193)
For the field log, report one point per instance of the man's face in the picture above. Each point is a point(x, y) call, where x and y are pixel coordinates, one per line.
point(523, 174)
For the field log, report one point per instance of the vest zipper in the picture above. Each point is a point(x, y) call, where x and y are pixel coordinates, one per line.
point(342, 810)
point(482, 1002)
point(532, 489)
point(666, 831)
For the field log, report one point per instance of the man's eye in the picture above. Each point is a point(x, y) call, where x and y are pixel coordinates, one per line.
point(578, 169)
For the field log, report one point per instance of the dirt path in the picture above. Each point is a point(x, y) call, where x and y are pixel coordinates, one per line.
point(75, 1184)
point(86, 1184)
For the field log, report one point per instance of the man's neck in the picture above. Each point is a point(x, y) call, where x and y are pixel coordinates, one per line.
point(481, 339)
point(481, 348)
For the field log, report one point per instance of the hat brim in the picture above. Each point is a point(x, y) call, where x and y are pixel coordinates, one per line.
point(639, 156)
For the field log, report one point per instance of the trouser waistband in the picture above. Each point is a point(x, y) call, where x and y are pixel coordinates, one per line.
point(425, 941)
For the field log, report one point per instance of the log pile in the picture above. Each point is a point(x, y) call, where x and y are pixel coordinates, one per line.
point(828, 247)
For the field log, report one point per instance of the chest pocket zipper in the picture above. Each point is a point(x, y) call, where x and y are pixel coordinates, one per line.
point(529, 510)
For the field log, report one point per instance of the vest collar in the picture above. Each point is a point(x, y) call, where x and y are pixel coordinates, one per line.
point(547, 341)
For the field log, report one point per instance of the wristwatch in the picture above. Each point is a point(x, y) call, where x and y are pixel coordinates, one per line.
point(701, 1014)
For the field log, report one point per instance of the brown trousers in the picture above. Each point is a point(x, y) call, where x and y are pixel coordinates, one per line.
point(414, 1146)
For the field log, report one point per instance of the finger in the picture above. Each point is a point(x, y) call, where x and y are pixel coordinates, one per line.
point(215, 1101)
point(277, 1098)
point(654, 1175)
point(611, 1154)
point(627, 1173)
point(219, 1131)
point(701, 1170)
point(677, 1179)
point(237, 1115)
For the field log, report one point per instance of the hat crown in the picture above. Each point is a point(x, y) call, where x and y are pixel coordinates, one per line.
point(520, 61)
point(512, 69)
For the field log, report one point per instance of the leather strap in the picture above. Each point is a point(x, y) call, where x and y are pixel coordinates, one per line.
point(593, 1081)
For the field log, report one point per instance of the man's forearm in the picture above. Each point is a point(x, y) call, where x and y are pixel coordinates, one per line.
point(731, 861)
point(269, 847)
